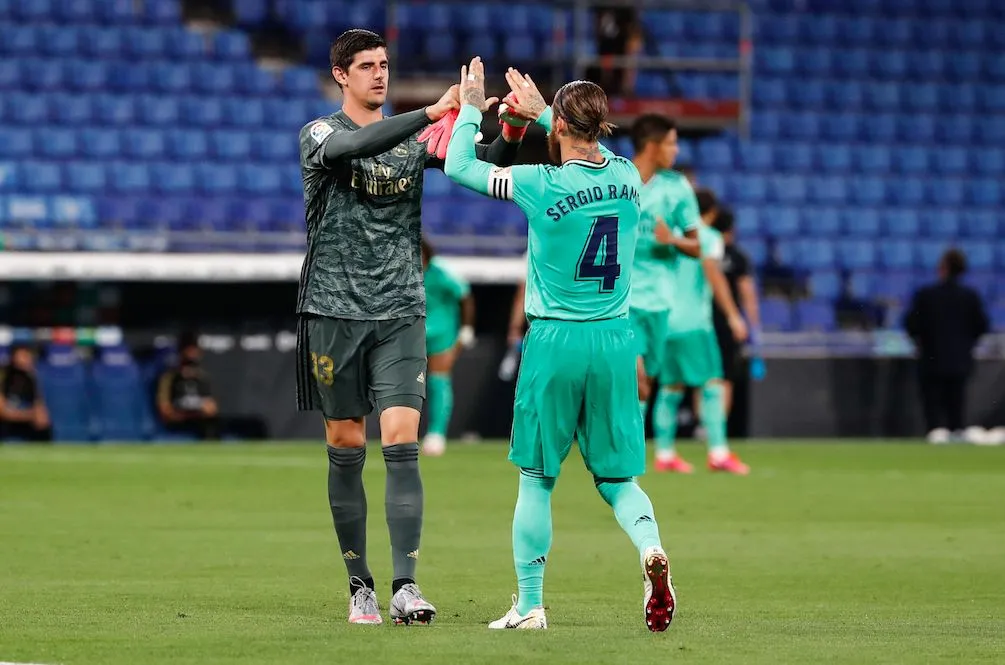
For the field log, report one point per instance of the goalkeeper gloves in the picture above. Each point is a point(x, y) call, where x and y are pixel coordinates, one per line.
point(514, 126)
point(466, 337)
point(437, 135)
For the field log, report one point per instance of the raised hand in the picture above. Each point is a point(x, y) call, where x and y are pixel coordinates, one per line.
point(527, 99)
point(472, 86)
point(448, 102)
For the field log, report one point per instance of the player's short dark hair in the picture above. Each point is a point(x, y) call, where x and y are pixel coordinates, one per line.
point(351, 42)
point(650, 128)
point(583, 105)
point(724, 221)
point(954, 262)
point(706, 200)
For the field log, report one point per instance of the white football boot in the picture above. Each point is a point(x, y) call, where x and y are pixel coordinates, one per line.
point(659, 600)
point(434, 445)
point(534, 620)
point(408, 607)
point(363, 607)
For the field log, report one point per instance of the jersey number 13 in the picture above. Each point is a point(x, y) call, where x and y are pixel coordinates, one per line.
point(603, 235)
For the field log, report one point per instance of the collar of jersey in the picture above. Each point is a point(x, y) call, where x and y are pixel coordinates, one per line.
point(588, 164)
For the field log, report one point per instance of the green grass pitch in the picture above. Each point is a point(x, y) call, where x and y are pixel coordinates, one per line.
point(840, 553)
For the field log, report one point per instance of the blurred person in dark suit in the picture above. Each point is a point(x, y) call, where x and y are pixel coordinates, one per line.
point(618, 33)
point(945, 320)
point(185, 400)
point(23, 415)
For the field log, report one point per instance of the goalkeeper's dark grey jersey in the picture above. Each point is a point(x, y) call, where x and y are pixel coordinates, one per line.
point(363, 228)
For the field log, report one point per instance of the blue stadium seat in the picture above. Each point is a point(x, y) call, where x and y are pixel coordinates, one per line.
point(32, 10)
point(9, 176)
point(64, 386)
point(186, 145)
point(951, 161)
point(856, 254)
point(770, 92)
point(828, 190)
point(144, 143)
point(861, 222)
point(71, 109)
point(990, 161)
point(253, 80)
point(145, 43)
point(231, 145)
point(765, 125)
point(171, 77)
point(814, 254)
point(824, 222)
point(795, 157)
point(981, 224)
point(816, 315)
point(908, 192)
point(911, 160)
point(119, 211)
point(10, 75)
point(118, 396)
point(947, 192)
point(42, 75)
point(287, 214)
point(243, 112)
point(855, 30)
point(990, 131)
point(941, 223)
point(782, 223)
point(867, 191)
point(985, 192)
point(873, 159)
point(816, 62)
point(258, 179)
point(862, 285)
point(15, 143)
point(801, 126)
point(778, 61)
point(985, 282)
point(896, 286)
point(58, 40)
point(754, 156)
point(901, 223)
point(300, 82)
point(963, 65)
point(880, 128)
point(213, 78)
point(29, 210)
point(113, 110)
point(788, 189)
point(834, 157)
point(231, 45)
point(130, 77)
point(921, 98)
point(956, 129)
point(889, 64)
point(74, 211)
point(202, 111)
point(957, 98)
point(520, 48)
point(749, 189)
point(998, 317)
point(101, 42)
point(270, 146)
point(156, 214)
point(182, 44)
point(650, 84)
point(215, 178)
point(56, 142)
point(896, 254)
point(85, 177)
point(776, 315)
point(980, 254)
point(853, 64)
point(40, 177)
point(129, 177)
point(117, 11)
point(170, 178)
point(167, 12)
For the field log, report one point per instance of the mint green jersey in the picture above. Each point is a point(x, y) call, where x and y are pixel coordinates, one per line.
point(691, 309)
point(583, 220)
point(444, 292)
point(667, 196)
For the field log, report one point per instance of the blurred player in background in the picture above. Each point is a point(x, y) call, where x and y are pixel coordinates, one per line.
point(577, 379)
point(737, 268)
point(450, 321)
point(669, 225)
point(515, 331)
point(361, 333)
point(23, 415)
point(692, 354)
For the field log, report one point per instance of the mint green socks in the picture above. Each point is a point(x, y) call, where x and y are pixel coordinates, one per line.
point(713, 417)
point(532, 537)
point(665, 418)
point(441, 403)
point(633, 510)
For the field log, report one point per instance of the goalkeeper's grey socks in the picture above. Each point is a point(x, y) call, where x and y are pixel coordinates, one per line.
point(348, 504)
point(403, 504)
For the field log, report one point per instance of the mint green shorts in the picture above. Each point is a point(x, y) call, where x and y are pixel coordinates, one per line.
point(578, 382)
point(691, 359)
point(650, 329)
point(440, 342)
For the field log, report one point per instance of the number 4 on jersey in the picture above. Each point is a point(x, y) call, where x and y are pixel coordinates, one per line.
point(603, 234)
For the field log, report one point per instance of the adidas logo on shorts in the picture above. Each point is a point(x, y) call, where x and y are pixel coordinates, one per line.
point(421, 378)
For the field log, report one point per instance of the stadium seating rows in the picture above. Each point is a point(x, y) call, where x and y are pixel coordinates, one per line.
point(876, 130)
point(109, 399)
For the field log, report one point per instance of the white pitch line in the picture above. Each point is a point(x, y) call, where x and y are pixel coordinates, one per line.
point(4, 662)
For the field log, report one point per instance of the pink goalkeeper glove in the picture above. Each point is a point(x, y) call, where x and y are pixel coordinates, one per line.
point(514, 126)
point(437, 135)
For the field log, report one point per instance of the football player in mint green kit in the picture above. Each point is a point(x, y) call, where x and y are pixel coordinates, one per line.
point(450, 319)
point(577, 380)
point(669, 225)
point(692, 356)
